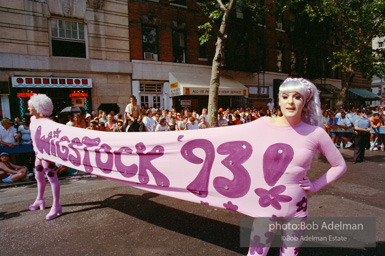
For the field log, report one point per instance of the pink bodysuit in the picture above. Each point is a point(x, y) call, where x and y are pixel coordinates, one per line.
point(287, 156)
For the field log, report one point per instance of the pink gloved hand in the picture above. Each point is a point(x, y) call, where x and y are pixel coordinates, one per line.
point(307, 185)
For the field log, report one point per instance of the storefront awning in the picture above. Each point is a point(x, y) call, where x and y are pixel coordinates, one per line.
point(199, 84)
point(328, 90)
point(362, 93)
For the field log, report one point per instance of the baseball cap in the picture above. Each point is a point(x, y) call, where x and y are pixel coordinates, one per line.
point(4, 153)
point(6, 121)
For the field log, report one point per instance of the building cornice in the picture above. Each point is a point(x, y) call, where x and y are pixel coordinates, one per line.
point(62, 64)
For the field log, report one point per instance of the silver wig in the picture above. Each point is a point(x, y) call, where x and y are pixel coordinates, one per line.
point(42, 104)
point(311, 113)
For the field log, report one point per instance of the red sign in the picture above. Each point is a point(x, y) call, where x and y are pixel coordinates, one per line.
point(24, 94)
point(78, 94)
point(51, 82)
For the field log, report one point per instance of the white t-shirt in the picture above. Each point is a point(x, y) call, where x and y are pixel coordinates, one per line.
point(191, 126)
point(270, 105)
point(156, 123)
point(344, 121)
point(181, 125)
point(8, 136)
point(159, 128)
point(149, 123)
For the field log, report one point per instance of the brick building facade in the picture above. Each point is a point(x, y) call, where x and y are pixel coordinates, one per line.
point(102, 51)
point(259, 56)
point(77, 52)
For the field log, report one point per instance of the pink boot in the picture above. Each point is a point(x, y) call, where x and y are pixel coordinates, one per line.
point(56, 209)
point(40, 180)
point(37, 204)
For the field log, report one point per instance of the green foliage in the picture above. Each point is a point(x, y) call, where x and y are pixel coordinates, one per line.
point(355, 24)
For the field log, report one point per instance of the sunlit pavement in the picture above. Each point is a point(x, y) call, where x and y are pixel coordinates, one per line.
point(102, 217)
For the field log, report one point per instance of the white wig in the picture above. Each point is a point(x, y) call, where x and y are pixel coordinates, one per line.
point(41, 103)
point(311, 113)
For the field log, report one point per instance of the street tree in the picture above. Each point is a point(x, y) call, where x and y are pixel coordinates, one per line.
point(354, 23)
point(218, 16)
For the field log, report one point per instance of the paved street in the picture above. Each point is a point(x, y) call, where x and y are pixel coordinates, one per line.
point(103, 217)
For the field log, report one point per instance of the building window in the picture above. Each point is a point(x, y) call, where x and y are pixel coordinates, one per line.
point(178, 2)
point(68, 38)
point(293, 63)
point(279, 61)
point(380, 44)
point(150, 43)
point(151, 87)
point(202, 51)
point(292, 22)
point(239, 10)
point(179, 46)
point(305, 65)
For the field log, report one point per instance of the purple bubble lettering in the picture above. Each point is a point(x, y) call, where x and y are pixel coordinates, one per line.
point(52, 146)
point(145, 164)
point(238, 152)
point(88, 142)
point(124, 170)
point(105, 167)
point(75, 160)
point(275, 161)
point(42, 142)
point(200, 184)
point(62, 154)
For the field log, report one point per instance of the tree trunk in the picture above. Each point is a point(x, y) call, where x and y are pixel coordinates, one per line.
point(346, 83)
point(214, 85)
point(216, 66)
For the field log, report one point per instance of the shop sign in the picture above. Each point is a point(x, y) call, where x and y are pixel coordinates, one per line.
point(51, 82)
point(221, 92)
point(24, 94)
point(175, 92)
point(185, 103)
point(78, 95)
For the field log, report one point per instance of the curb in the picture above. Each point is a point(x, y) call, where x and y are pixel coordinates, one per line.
point(29, 182)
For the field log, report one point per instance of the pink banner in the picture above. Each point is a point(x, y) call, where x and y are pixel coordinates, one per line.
point(251, 168)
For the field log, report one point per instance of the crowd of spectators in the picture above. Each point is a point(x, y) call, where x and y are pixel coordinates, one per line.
point(341, 123)
point(338, 123)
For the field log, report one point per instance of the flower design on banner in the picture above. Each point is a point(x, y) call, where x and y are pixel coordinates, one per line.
point(230, 206)
point(205, 203)
point(284, 247)
point(269, 237)
point(302, 205)
point(272, 197)
point(256, 246)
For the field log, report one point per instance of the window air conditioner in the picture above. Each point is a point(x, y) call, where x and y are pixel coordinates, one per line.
point(150, 56)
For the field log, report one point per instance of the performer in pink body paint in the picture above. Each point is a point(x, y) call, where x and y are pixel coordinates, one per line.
point(40, 106)
point(299, 134)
